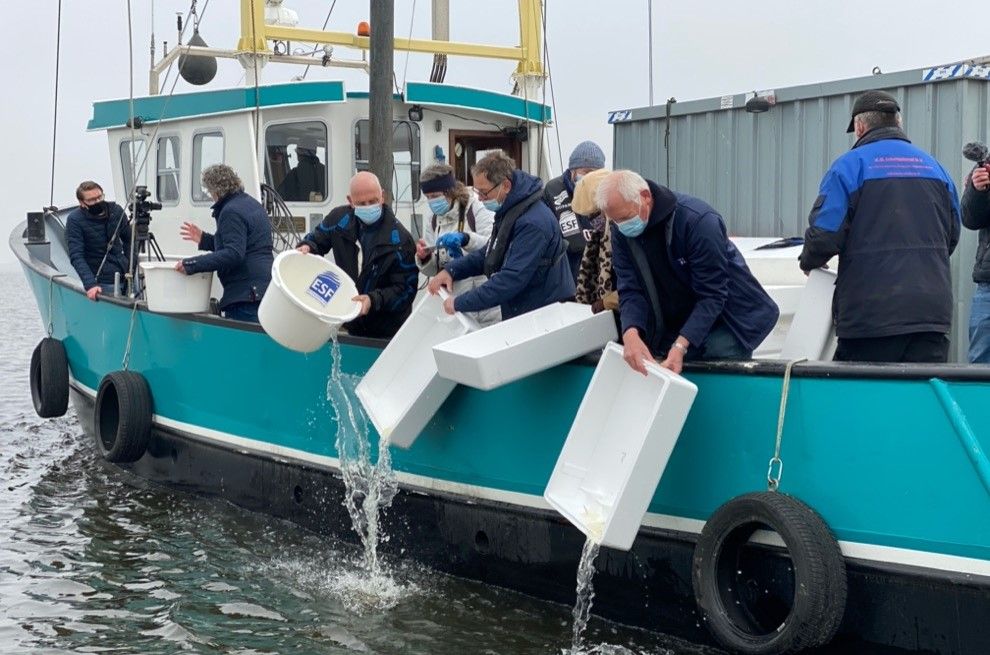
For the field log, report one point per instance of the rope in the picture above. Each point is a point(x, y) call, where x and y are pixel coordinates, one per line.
point(553, 88)
point(405, 68)
point(257, 92)
point(58, 50)
point(51, 303)
point(126, 361)
point(773, 476)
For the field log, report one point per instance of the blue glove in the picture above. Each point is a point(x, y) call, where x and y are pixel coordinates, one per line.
point(452, 242)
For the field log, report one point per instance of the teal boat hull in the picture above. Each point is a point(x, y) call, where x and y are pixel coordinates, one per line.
point(891, 457)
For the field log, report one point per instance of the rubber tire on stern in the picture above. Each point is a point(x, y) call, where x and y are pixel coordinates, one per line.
point(50, 378)
point(819, 574)
point(123, 416)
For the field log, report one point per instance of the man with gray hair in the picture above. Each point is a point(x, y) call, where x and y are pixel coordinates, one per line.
point(890, 212)
point(685, 292)
point(241, 248)
point(524, 261)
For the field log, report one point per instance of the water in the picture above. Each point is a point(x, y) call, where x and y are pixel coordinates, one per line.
point(92, 560)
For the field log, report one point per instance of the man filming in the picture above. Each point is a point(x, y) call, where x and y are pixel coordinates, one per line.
point(99, 238)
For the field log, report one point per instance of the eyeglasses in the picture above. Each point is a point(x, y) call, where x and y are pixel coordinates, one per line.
point(484, 194)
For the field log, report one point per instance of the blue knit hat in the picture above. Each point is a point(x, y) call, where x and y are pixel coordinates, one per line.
point(587, 154)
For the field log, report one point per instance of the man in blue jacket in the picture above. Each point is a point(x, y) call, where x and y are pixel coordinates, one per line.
point(525, 259)
point(685, 292)
point(891, 214)
point(99, 240)
point(387, 276)
point(241, 248)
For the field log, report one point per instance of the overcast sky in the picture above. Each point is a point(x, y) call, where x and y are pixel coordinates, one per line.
point(598, 59)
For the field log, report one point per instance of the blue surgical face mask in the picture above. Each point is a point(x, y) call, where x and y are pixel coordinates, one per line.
point(492, 205)
point(632, 227)
point(369, 214)
point(439, 206)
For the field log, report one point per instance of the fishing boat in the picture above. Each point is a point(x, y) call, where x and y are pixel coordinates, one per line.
point(875, 535)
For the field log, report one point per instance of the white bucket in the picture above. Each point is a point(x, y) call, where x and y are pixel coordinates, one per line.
point(307, 301)
point(170, 292)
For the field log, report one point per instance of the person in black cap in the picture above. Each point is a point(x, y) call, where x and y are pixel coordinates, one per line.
point(559, 193)
point(891, 213)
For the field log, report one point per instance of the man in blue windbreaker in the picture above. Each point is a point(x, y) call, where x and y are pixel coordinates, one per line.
point(685, 291)
point(525, 259)
point(891, 213)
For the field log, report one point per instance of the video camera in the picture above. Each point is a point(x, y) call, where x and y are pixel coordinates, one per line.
point(141, 210)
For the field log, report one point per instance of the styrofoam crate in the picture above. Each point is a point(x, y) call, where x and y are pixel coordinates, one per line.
point(524, 345)
point(618, 447)
point(403, 390)
point(812, 329)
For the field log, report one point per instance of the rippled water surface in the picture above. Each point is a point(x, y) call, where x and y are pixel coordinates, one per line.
point(94, 561)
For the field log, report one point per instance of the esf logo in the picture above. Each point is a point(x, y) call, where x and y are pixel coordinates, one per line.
point(324, 286)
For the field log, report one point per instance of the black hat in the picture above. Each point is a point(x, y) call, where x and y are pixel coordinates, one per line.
point(873, 101)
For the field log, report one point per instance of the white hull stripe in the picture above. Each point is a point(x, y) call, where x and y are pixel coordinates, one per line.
point(850, 549)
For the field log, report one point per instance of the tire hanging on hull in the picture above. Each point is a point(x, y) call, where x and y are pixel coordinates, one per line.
point(123, 416)
point(50, 378)
point(739, 609)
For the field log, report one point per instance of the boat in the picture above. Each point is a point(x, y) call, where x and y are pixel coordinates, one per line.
point(889, 458)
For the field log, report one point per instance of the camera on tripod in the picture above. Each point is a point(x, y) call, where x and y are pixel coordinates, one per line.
point(141, 210)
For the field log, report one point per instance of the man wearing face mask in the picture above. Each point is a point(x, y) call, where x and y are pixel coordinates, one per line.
point(387, 276)
point(559, 194)
point(685, 292)
point(99, 240)
point(524, 261)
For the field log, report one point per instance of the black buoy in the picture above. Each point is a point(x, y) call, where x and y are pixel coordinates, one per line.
point(197, 69)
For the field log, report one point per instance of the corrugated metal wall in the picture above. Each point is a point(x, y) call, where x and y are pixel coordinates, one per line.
point(762, 171)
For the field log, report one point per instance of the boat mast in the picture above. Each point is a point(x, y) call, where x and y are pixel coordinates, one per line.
point(380, 92)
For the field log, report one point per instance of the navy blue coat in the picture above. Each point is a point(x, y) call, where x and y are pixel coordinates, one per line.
point(890, 212)
point(705, 261)
point(87, 237)
point(534, 273)
point(241, 249)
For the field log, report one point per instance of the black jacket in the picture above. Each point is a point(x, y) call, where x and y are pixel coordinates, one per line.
point(890, 212)
point(388, 273)
point(241, 249)
point(976, 216)
point(558, 195)
point(88, 237)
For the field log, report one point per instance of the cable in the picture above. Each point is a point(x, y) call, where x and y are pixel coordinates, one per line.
point(465, 118)
point(58, 49)
point(405, 69)
point(257, 92)
point(553, 88)
point(325, 23)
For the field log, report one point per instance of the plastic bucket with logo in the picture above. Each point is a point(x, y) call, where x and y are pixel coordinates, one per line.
point(307, 301)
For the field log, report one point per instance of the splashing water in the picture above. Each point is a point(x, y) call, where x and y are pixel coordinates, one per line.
point(585, 594)
point(369, 488)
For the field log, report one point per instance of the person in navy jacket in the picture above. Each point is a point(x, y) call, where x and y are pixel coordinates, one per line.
point(241, 249)
point(685, 291)
point(525, 260)
point(387, 275)
point(890, 212)
point(98, 235)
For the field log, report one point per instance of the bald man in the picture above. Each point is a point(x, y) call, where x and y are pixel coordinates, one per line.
point(386, 277)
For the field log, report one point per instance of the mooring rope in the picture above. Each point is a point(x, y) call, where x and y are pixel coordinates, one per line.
point(776, 467)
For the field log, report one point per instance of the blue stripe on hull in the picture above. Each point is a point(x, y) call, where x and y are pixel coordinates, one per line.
point(877, 458)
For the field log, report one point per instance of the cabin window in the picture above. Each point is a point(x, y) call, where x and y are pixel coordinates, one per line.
point(168, 170)
point(207, 151)
point(133, 153)
point(296, 161)
point(405, 146)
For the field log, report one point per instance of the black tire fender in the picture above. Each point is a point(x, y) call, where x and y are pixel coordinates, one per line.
point(123, 416)
point(819, 573)
point(50, 378)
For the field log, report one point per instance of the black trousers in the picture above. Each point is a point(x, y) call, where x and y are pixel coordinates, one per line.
point(927, 347)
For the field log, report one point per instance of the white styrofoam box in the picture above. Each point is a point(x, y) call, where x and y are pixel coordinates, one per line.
point(524, 345)
point(776, 266)
point(787, 297)
point(812, 330)
point(618, 447)
point(402, 390)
